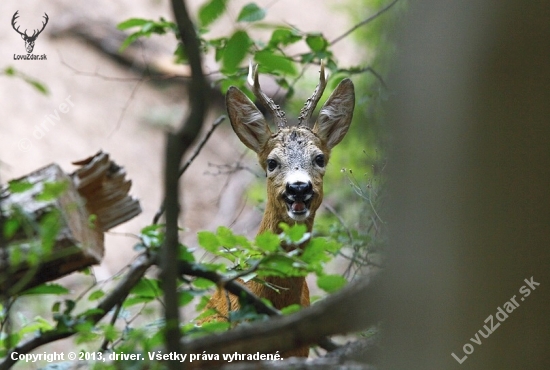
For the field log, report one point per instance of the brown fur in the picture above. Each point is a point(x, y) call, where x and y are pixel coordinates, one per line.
point(295, 149)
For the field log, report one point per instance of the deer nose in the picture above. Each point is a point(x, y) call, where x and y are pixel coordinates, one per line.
point(299, 189)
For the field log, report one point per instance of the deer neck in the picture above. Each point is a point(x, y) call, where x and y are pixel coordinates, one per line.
point(290, 290)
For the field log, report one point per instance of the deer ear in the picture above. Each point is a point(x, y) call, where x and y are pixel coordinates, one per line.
point(335, 116)
point(247, 121)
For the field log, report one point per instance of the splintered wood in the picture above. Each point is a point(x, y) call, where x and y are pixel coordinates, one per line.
point(54, 222)
point(104, 186)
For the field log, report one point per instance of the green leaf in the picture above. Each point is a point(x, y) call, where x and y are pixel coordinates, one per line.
point(91, 312)
point(40, 324)
point(293, 308)
point(47, 289)
point(180, 55)
point(215, 326)
point(129, 40)
point(209, 241)
point(295, 233)
point(211, 11)
point(50, 225)
point(283, 37)
point(132, 22)
point(203, 283)
point(226, 237)
point(52, 190)
point(314, 252)
point(110, 333)
point(132, 301)
point(235, 51)
point(268, 241)
point(185, 298)
point(147, 288)
point(38, 86)
point(331, 283)
point(316, 43)
point(9, 71)
point(185, 254)
point(152, 235)
point(56, 306)
point(280, 265)
point(251, 13)
point(10, 227)
point(19, 186)
point(96, 295)
point(271, 62)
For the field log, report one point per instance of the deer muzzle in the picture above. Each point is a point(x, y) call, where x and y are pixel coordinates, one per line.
point(298, 197)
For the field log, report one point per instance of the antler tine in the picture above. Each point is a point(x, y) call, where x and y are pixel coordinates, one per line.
point(274, 109)
point(311, 103)
point(45, 16)
point(13, 19)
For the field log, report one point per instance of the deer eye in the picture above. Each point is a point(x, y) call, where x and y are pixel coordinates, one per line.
point(320, 160)
point(271, 164)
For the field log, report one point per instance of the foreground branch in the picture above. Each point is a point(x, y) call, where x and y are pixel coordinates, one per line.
point(349, 310)
point(240, 290)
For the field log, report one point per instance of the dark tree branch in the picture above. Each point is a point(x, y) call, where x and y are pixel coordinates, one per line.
point(177, 144)
point(349, 310)
point(105, 344)
point(135, 273)
point(362, 23)
point(198, 149)
point(240, 290)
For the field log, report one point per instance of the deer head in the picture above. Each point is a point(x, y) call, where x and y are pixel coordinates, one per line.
point(29, 40)
point(294, 157)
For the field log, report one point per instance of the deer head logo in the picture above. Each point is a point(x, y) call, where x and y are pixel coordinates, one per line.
point(29, 40)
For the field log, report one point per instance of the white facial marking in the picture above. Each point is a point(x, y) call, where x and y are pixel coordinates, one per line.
point(297, 176)
point(300, 217)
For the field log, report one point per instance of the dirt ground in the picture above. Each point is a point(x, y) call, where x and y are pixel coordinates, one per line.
point(112, 110)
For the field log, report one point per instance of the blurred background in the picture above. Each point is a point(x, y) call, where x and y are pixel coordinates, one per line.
point(116, 103)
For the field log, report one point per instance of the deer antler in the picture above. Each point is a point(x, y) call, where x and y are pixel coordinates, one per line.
point(15, 16)
point(274, 109)
point(34, 34)
point(311, 103)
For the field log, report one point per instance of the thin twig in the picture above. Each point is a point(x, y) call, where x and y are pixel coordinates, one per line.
point(252, 269)
point(340, 219)
point(106, 341)
point(125, 106)
point(198, 149)
point(360, 24)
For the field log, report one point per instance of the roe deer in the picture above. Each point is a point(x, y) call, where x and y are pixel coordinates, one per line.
point(294, 158)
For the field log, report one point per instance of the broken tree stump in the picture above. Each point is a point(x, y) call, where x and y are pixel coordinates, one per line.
point(54, 222)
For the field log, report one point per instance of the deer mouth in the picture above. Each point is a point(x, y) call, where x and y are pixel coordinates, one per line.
point(298, 207)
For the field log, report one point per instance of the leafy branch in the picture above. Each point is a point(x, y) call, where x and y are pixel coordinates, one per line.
point(37, 85)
